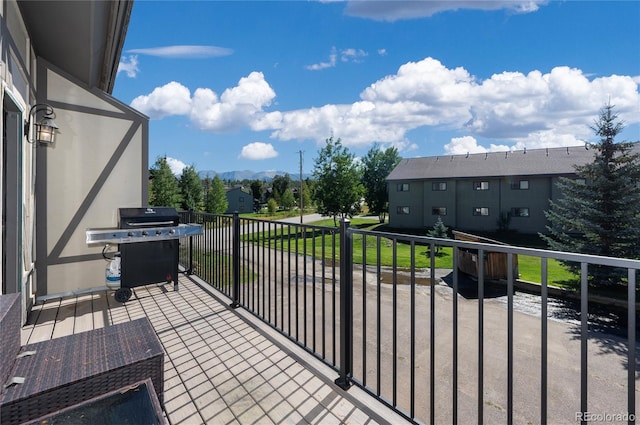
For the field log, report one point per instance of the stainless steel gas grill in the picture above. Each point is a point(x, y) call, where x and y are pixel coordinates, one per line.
point(148, 241)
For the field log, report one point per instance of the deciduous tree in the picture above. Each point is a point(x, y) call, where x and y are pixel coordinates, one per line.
point(287, 199)
point(280, 184)
point(377, 164)
point(191, 189)
point(164, 187)
point(338, 188)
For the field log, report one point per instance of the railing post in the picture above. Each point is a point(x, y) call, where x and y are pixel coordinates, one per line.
point(191, 220)
point(346, 307)
point(236, 261)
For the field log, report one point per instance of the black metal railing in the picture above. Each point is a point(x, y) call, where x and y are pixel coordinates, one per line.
point(280, 272)
point(435, 348)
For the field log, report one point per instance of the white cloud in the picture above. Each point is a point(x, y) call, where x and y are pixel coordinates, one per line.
point(184, 51)
point(396, 10)
point(534, 109)
point(171, 99)
point(352, 55)
point(512, 105)
point(515, 109)
point(258, 151)
point(129, 65)
point(237, 107)
point(468, 144)
point(382, 52)
point(346, 55)
point(176, 165)
point(323, 65)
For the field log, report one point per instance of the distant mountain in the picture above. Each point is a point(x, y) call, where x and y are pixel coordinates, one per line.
point(250, 175)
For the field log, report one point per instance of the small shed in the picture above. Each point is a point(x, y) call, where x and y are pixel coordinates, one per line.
point(495, 263)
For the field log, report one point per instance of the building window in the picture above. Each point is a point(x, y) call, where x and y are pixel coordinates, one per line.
point(438, 211)
point(439, 186)
point(480, 185)
point(581, 181)
point(520, 185)
point(403, 210)
point(481, 211)
point(519, 212)
point(403, 187)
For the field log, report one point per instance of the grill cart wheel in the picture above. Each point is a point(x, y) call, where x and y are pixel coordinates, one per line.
point(123, 294)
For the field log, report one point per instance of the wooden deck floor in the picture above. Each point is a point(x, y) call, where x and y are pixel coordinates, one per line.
point(222, 366)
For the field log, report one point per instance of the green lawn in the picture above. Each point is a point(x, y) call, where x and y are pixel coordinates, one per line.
point(278, 215)
point(529, 267)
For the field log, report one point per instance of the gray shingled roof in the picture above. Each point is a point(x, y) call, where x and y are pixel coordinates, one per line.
point(495, 164)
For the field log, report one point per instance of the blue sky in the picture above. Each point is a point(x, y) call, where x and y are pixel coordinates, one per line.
point(237, 85)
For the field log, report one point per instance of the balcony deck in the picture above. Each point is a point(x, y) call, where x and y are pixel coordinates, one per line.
point(221, 365)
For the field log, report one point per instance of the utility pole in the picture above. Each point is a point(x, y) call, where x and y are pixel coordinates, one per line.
point(301, 202)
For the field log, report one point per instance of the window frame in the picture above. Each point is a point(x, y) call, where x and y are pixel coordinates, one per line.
point(403, 210)
point(439, 211)
point(439, 186)
point(402, 187)
point(479, 211)
point(479, 185)
point(517, 185)
point(519, 210)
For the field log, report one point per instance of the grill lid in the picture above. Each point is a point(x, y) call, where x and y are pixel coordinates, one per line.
point(148, 217)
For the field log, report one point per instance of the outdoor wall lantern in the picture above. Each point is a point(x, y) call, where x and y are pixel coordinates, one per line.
point(45, 129)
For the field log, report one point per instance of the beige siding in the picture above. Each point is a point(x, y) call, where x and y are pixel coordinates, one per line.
point(98, 164)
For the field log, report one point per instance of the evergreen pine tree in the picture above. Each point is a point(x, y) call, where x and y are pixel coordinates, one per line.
point(306, 196)
point(599, 212)
point(216, 197)
point(439, 231)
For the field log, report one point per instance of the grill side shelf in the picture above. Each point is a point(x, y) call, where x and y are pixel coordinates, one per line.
point(147, 234)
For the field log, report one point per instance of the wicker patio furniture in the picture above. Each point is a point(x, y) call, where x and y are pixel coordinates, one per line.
point(68, 370)
point(133, 405)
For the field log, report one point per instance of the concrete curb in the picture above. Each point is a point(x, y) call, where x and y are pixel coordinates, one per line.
point(536, 288)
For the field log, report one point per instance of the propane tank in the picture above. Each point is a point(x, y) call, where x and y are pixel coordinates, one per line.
point(112, 273)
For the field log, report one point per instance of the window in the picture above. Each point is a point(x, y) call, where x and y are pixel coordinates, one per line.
point(481, 211)
point(519, 212)
point(581, 181)
point(480, 185)
point(520, 185)
point(438, 211)
point(439, 186)
point(403, 210)
point(403, 187)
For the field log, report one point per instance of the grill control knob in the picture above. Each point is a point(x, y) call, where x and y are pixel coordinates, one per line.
point(172, 231)
point(145, 233)
point(130, 234)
